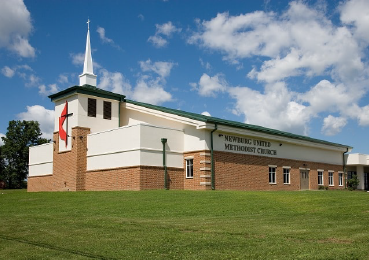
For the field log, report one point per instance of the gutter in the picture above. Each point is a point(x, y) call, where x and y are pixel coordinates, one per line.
point(212, 157)
point(164, 141)
point(344, 167)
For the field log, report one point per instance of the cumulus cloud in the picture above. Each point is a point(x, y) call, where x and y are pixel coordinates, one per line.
point(300, 41)
point(15, 28)
point(150, 91)
point(209, 86)
point(47, 90)
point(275, 108)
point(7, 72)
point(44, 116)
point(162, 68)
point(115, 82)
point(163, 30)
point(333, 125)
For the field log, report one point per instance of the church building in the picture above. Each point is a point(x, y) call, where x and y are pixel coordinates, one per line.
point(104, 141)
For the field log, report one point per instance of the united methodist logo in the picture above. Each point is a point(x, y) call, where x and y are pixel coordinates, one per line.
point(63, 134)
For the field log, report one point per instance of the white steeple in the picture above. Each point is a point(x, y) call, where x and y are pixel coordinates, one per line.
point(88, 76)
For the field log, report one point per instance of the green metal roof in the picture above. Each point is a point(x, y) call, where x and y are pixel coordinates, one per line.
point(219, 121)
point(88, 90)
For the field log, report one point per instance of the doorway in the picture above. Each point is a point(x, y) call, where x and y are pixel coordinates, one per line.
point(304, 180)
point(366, 181)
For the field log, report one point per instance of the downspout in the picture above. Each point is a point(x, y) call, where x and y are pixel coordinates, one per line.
point(344, 167)
point(164, 141)
point(212, 157)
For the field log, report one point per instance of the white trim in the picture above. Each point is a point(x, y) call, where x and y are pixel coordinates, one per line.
point(188, 157)
point(205, 161)
point(205, 169)
point(304, 169)
point(205, 154)
point(134, 149)
point(272, 166)
point(189, 177)
point(286, 167)
point(205, 176)
point(206, 183)
point(320, 170)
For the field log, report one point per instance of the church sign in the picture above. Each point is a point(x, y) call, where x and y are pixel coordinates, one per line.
point(248, 145)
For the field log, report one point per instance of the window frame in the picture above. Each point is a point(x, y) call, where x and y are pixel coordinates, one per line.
point(189, 165)
point(286, 172)
point(105, 110)
point(91, 107)
point(331, 178)
point(322, 177)
point(340, 178)
point(272, 174)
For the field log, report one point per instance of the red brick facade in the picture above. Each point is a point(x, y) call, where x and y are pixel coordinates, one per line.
point(232, 172)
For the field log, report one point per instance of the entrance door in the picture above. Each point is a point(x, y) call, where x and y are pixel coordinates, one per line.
point(304, 181)
point(366, 181)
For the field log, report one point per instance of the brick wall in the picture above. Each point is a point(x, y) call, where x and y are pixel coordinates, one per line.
point(249, 172)
point(69, 167)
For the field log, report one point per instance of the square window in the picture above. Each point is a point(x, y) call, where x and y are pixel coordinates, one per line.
point(286, 175)
point(272, 178)
point(107, 110)
point(189, 168)
point(320, 178)
point(91, 107)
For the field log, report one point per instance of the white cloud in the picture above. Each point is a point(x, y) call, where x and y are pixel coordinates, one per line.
point(7, 72)
point(205, 65)
point(15, 27)
point(158, 41)
point(150, 91)
point(44, 116)
point(205, 113)
point(356, 13)
point(276, 108)
point(363, 116)
point(63, 79)
point(209, 86)
point(333, 125)
point(104, 39)
point(165, 29)
point(161, 68)
point(1, 140)
point(300, 41)
point(33, 80)
point(79, 58)
point(115, 82)
point(46, 91)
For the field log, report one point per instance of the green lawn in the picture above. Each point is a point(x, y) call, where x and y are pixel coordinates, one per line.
point(184, 225)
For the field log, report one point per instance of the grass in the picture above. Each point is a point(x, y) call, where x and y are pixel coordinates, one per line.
point(184, 225)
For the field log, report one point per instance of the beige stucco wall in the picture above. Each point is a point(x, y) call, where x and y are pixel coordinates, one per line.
point(41, 160)
point(134, 145)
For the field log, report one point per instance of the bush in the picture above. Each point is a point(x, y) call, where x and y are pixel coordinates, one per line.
point(353, 183)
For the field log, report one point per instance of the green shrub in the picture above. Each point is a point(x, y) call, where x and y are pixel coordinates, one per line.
point(353, 183)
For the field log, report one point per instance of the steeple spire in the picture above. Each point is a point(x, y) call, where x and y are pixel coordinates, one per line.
point(88, 76)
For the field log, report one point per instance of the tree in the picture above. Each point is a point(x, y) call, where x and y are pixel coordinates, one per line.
point(2, 168)
point(15, 151)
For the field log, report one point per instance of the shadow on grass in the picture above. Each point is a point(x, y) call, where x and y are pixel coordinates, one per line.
point(56, 248)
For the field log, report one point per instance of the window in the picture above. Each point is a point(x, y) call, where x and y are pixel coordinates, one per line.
point(320, 177)
point(189, 168)
point(340, 179)
point(91, 107)
point(107, 110)
point(286, 175)
point(330, 178)
point(272, 178)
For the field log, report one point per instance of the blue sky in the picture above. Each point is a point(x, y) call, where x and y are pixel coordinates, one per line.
point(296, 66)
